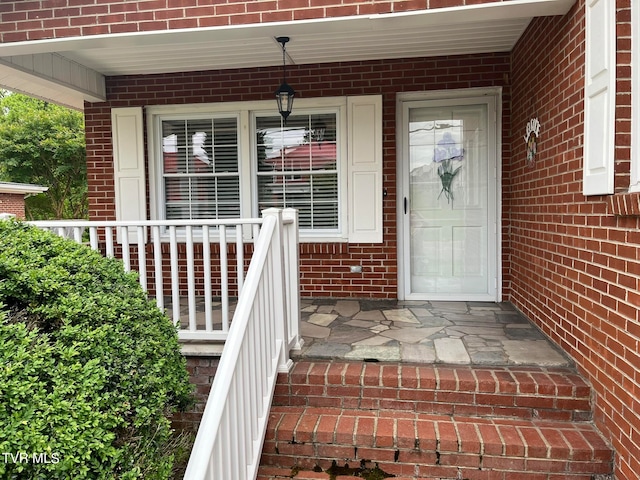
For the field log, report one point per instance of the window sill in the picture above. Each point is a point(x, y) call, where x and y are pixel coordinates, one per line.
point(624, 204)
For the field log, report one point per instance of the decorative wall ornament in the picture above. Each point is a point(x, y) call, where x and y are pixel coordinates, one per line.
point(531, 140)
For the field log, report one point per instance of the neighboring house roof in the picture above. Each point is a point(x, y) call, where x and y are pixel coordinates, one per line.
point(307, 156)
point(21, 188)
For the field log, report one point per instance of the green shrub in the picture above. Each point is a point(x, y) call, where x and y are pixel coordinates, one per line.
point(90, 368)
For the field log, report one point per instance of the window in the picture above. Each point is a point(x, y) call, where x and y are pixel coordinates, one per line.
point(200, 175)
point(232, 160)
point(297, 167)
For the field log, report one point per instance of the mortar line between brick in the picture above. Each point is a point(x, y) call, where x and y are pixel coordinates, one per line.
point(395, 433)
point(481, 438)
point(572, 450)
point(504, 444)
point(524, 442)
point(315, 430)
point(475, 378)
point(295, 428)
point(496, 387)
point(343, 373)
point(306, 377)
point(544, 439)
point(455, 374)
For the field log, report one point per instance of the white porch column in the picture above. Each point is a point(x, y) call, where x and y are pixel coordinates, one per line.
point(278, 288)
point(292, 276)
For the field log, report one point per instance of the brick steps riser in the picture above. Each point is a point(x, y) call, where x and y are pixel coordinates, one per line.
point(438, 473)
point(428, 422)
point(555, 394)
point(310, 437)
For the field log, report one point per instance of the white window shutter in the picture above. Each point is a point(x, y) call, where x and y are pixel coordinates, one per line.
point(599, 98)
point(128, 165)
point(364, 123)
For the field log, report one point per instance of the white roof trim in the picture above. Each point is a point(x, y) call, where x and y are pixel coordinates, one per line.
point(21, 188)
point(466, 30)
point(440, 16)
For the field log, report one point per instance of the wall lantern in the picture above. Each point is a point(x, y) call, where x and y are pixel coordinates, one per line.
point(284, 94)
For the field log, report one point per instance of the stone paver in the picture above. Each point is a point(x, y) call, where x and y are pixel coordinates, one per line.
point(410, 335)
point(381, 353)
point(537, 352)
point(418, 353)
point(403, 315)
point(451, 350)
point(323, 319)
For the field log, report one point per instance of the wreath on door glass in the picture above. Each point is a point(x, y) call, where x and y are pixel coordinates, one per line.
point(446, 152)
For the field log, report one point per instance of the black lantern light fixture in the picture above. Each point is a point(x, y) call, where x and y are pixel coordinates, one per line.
point(284, 94)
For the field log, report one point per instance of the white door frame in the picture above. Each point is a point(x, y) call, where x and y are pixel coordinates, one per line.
point(402, 188)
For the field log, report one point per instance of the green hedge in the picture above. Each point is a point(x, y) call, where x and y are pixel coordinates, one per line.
point(90, 368)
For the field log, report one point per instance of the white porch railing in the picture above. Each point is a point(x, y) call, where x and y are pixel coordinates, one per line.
point(258, 340)
point(184, 264)
point(231, 434)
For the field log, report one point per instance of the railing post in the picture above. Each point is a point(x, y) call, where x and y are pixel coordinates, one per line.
point(279, 285)
point(292, 277)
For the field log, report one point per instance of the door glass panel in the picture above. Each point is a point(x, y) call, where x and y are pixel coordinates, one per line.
point(448, 197)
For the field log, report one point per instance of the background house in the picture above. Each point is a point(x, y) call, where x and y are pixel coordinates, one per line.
point(12, 196)
point(557, 233)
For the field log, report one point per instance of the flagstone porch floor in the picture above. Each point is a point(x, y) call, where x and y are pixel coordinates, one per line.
point(478, 333)
point(462, 333)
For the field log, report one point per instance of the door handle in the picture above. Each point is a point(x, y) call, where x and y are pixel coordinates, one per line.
point(405, 205)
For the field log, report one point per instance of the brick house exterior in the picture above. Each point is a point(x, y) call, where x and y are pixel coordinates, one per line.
point(568, 216)
point(12, 196)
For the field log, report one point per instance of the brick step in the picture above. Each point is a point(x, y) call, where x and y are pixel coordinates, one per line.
point(510, 392)
point(275, 473)
point(418, 445)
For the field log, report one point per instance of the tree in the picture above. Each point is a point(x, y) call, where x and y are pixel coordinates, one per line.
point(44, 144)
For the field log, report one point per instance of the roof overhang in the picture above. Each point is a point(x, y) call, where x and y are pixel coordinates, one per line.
point(21, 188)
point(72, 70)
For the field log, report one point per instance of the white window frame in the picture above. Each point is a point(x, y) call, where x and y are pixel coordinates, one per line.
point(247, 112)
point(159, 161)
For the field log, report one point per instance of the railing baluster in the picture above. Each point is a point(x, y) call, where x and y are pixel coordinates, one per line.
point(191, 279)
point(206, 267)
point(108, 233)
point(126, 254)
point(157, 260)
point(224, 278)
point(77, 234)
point(239, 257)
point(142, 258)
point(175, 275)
point(93, 238)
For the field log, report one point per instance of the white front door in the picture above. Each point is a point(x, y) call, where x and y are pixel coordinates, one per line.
point(449, 204)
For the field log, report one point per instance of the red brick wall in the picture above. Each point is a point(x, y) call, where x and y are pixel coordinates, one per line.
point(12, 203)
point(324, 267)
point(202, 370)
point(22, 20)
point(574, 265)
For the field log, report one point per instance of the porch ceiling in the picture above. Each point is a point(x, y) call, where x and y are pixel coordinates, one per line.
point(492, 27)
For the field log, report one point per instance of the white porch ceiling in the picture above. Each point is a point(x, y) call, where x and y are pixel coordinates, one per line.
point(493, 27)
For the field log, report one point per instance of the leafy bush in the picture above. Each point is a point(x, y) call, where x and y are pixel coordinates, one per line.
point(89, 367)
